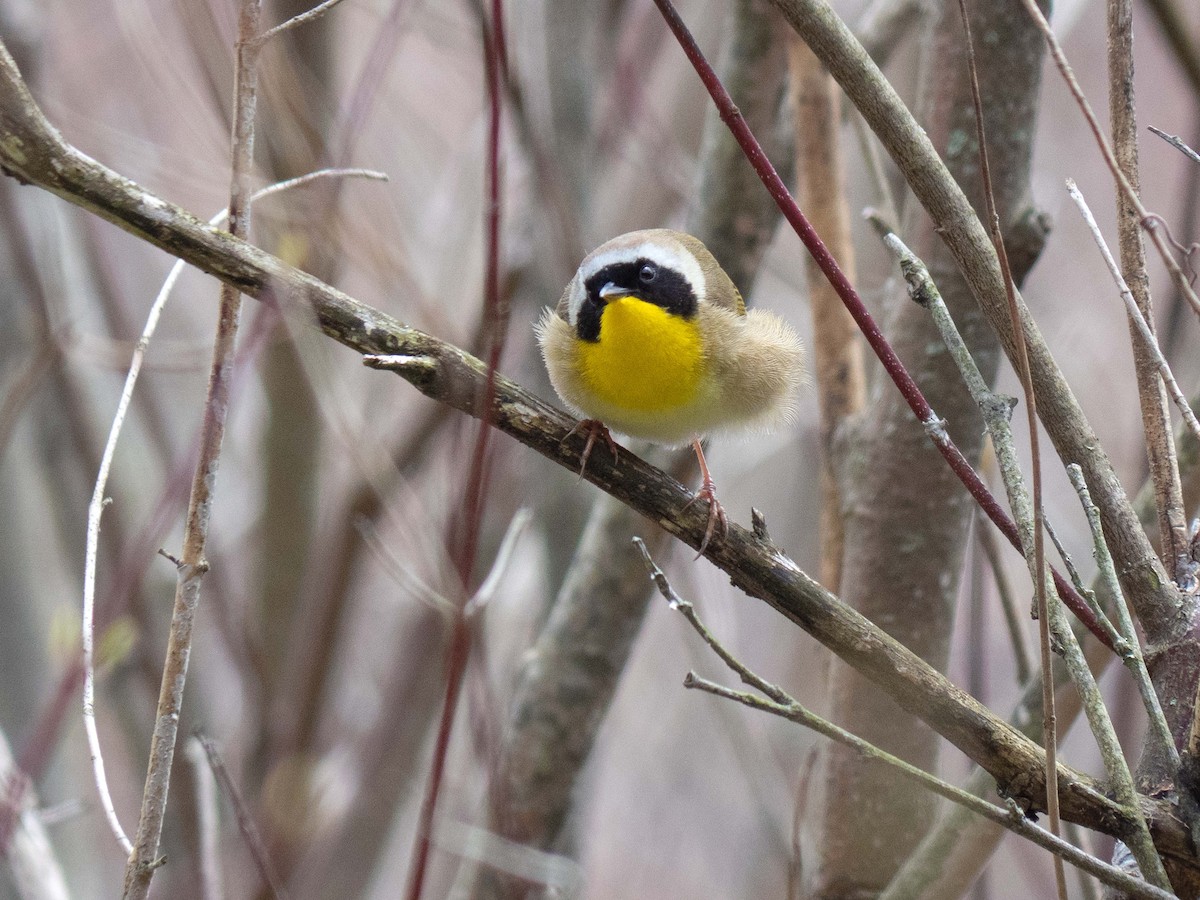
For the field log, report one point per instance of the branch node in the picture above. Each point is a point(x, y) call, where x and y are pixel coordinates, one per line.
point(935, 427)
point(758, 524)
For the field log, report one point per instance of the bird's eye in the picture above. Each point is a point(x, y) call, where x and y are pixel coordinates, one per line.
point(647, 274)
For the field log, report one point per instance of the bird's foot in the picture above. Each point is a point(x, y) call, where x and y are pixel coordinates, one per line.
point(716, 513)
point(594, 429)
point(708, 491)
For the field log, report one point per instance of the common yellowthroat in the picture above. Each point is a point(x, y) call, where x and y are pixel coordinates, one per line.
point(652, 338)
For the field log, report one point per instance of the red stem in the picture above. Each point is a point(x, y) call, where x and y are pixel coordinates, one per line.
point(464, 535)
point(753, 150)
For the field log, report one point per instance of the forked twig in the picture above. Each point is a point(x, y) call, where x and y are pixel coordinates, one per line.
point(98, 502)
point(1127, 192)
point(778, 702)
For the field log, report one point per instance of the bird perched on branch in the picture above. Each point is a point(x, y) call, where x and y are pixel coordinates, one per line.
point(652, 339)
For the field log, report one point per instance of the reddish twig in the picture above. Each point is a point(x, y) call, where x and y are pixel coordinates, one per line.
point(849, 296)
point(465, 532)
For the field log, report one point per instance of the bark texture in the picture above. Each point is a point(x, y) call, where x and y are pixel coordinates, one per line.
point(903, 504)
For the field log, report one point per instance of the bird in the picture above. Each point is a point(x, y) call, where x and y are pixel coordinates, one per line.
point(652, 339)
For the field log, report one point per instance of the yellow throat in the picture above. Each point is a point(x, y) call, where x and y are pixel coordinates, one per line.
point(646, 359)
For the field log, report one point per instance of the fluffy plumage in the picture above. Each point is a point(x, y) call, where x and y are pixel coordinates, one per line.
point(750, 363)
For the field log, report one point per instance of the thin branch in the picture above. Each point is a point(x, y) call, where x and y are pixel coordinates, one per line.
point(1120, 647)
point(95, 511)
point(1149, 341)
point(849, 296)
point(207, 825)
point(302, 19)
point(1037, 559)
point(1177, 142)
point(508, 546)
point(1152, 398)
point(1132, 653)
point(781, 704)
point(299, 180)
point(995, 411)
point(144, 859)
point(1126, 189)
point(246, 824)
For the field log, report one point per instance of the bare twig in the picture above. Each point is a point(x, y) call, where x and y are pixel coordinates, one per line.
point(465, 528)
point(246, 824)
point(1127, 191)
point(302, 19)
point(1149, 341)
point(207, 822)
point(95, 511)
point(849, 296)
point(144, 858)
point(1036, 560)
point(1177, 142)
point(1152, 398)
point(1131, 649)
point(780, 703)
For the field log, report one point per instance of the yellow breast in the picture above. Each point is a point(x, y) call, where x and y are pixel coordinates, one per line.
point(646, 359)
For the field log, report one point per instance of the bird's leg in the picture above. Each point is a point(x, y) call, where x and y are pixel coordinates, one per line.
point(708, 491)
point(595, 429)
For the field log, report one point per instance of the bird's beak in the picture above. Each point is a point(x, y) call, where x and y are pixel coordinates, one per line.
point(612, 290)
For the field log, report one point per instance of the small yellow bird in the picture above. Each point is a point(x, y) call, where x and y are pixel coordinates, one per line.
point(652, 338)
